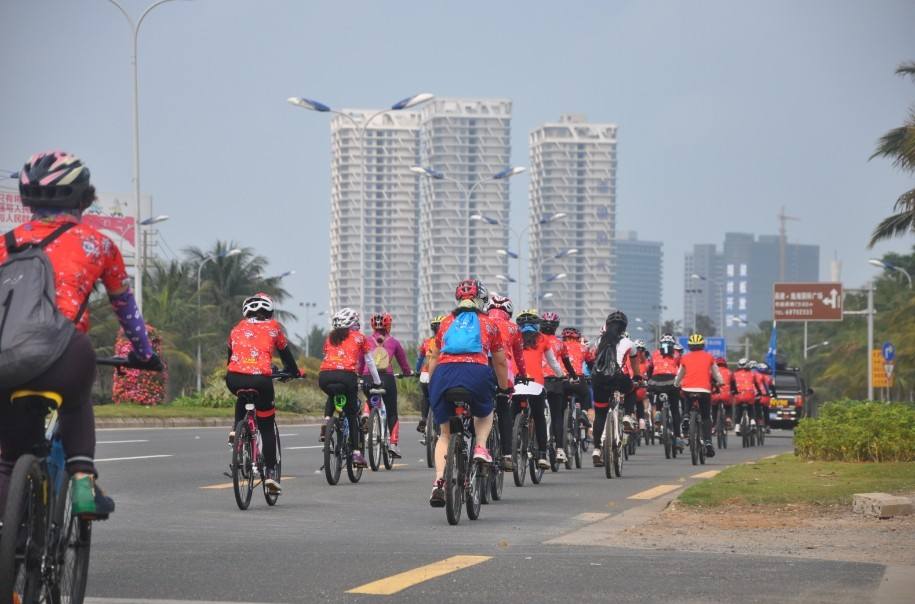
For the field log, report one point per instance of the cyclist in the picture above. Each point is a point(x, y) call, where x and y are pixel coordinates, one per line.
point(665, 364)
point(56, 187)
point(537, 352)
point(580, 356)
point(746, 392)
point(422, 368)
point(696, 377)
point(344, 349)
point(464, 343)
point(385, 349)
point(614, 370)
point(766, 392)
point(555, 381)
point(249, 366)
point(723, 399)
point(641, 391)
point(500, 310)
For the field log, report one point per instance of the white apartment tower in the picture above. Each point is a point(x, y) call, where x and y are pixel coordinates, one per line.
point(374, 216)
point(573, 171)
point(466, 142)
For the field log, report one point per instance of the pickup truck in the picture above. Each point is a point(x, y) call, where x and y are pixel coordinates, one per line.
point(793, 400)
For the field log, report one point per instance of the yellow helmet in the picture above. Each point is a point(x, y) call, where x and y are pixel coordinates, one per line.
point(528, 316)
point(435, 322)
point(696, 340)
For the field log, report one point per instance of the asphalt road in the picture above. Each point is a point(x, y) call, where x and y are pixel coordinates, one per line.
point(178, 535)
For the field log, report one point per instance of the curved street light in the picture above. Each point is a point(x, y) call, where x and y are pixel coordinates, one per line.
point(891, 267)
point(318, 106)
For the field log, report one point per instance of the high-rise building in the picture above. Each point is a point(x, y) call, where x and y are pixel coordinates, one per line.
point(466, 142)
point(374, 237)
point(573, 172)
point(637, 290)
point(733, 286)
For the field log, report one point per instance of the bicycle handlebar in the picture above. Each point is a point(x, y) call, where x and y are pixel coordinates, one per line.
point(120, 363)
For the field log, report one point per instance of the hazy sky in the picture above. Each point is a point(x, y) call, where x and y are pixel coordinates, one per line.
point(726, 109)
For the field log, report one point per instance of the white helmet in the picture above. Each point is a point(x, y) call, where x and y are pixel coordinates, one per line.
point(503, 303)
point(742, 362)
point(259, 303)
point(345, 317)
point(639, 343)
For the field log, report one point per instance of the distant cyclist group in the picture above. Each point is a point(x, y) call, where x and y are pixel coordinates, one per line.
point(477, 361)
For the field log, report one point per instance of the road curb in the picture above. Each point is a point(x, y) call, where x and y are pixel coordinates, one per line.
point(110, 423)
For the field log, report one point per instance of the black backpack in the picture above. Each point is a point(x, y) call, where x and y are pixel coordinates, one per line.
point(606, 363)
point(33, 332)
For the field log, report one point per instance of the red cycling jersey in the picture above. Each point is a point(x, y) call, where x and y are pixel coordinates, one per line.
point(764, 384)
point(252, 342)
point(664, 365)
point(724, 395)
point(745, 381)
point(559, 350)
point(511, 341)
point(348, 355)
point(535, 359)
point(489, 335)
point(80, 257)
point(578, 355)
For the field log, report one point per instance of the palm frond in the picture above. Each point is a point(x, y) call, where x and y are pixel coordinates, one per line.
point(896, 225)
point(906, 69)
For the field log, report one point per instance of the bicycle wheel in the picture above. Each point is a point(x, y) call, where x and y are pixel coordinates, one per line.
point(353, 471)
point(374, 442)
point(760, 435)
point(666, 435)
point(386, 458)
point(454, 479)
point(333, 451)
point(694, 437)
point(70, 554)
point(568, 417)
point(618, 447)
point(475, 488)
point(496, 473)
point(606, 447)
point(242, 468)
point(431, 438)
point(24, 530)
point(273, 497)
point(532, 456)
point(519, 450)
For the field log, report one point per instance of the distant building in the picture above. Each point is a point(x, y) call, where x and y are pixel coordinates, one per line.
point(637, 289)
point(573, 171)
point(467, 141)
point(374, 247)
point(734, 286)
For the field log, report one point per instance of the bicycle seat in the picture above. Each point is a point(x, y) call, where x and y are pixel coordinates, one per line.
point(43, 398)
point(248, 394)
point(458, 395)
point(380, 391)
point(336, 388)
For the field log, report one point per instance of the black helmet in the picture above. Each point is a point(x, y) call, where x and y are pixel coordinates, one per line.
point(55, 179)
point(617, 316)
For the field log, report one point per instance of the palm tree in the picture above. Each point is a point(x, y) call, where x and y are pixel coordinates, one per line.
point(899, 144)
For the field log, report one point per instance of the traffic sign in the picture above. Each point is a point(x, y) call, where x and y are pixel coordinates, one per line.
point(882, 371)
point(714, 345)
point(807, 301)
point(889, 352)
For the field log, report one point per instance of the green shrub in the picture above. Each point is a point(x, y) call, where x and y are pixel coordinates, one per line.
point(858, 431)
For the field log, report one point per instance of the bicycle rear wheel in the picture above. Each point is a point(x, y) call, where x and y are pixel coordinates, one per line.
point(568, 417)
point(242, 468)
point(532, 457)
point(694, 436)
point(24, 530)
point(519, 450)
point(431, 438)
point(606, 446)
point(617, 449)
point(374, 440)
point(496, 473)
point(333, 451)
point(71, 552)
point(273, 497)
point(760, 435)
point(454, 479)
point(475, 488)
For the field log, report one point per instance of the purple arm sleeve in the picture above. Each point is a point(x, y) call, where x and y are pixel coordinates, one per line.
point(125, 307)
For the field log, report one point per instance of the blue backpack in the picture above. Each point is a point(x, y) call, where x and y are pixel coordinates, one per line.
point(463, 335)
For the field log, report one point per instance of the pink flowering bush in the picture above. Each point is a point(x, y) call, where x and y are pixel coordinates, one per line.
point(133, 385)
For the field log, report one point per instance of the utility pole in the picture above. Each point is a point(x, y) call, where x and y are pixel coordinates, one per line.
point(783, 242)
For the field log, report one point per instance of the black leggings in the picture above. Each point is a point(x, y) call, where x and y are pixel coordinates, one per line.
point(350, 382)
point(263, 405)
point(705, 410)
point(506, 417)
point(604, 387)
point(556, 397)
point(673, 401)
point(389, 383)
point(581, 392)
point(424, 400)
point(537, 405)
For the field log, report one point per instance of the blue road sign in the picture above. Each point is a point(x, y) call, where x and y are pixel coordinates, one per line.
point(889, 352)
point(714, 345)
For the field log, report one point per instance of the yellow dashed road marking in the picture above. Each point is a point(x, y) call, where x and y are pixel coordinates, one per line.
point(657, 491)
point(708, 474)
point(229, 485)
point(400, 582)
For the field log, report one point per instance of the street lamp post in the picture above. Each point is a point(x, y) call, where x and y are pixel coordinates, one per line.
point(814, 346)
point(720, 302)
point(141, 235)
point(226, 254)
point(139, 260)
point(407, 103)
point(891, 267)
point(468, 193)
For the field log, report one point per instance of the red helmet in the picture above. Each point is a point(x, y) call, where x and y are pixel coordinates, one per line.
point(721, 361)
point(549, 322)
point(571, 332)
point(473, 290)
point(382, 322)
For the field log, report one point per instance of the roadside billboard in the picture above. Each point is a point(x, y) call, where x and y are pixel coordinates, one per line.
point(714, 345)
point(112, 213)
point(821, 301)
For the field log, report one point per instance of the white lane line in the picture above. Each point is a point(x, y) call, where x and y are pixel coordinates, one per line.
point(119, 442)
point(308, 447)
point(285, 435)
point(132, 458)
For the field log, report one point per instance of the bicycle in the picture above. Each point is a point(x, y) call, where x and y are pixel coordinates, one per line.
point(247, 456)
point(493, 490)
point(746, 427)
point(696, 446)
point(377, 436)
point(524, 440)
point(573, 424)
point(721, 431)
point(465, 477)
point(612, 441)
point(44, 548)
point(429, 438)
point(337, 447)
